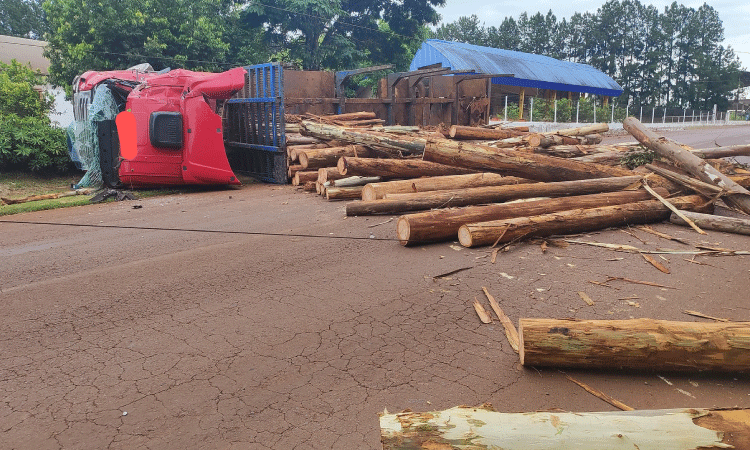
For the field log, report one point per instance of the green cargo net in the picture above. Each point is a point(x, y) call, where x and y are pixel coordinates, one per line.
point(82, 133)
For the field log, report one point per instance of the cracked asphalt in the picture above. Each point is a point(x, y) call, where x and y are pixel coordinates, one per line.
point(114, 338)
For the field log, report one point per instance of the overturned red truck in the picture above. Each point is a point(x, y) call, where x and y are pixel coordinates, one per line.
point(179, 129)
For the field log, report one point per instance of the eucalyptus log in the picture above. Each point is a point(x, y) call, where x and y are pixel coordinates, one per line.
point(326, 157)
point(298, 139)
point(464, 132)
point(487, 194)
point(396, 168)
point(549, 140)
point(303, 177)
point(343, 193)
point(710, 222)
point(593, 128)
point(293, 168)
point(294, 150)
point(519, 164)
point(723, 152)
point(572, 221)
point(359, 123)
point(361, 115)
point(443, 224)
point(375, 191)
point(737, 196)
point(577, 150)
point(465, 428)
point(328, 174)
point(414, 145)
point(352, 181)
point(639, 344)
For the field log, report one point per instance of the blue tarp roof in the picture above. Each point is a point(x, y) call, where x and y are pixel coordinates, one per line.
point(530, 70)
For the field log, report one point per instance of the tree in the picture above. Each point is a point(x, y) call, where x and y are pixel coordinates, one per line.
point(28, 141)
point(116, 34)
point(337, 34)
point(22, 18)
point(467, 29)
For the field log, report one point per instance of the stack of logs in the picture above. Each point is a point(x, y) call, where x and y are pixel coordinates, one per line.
point(498, 185)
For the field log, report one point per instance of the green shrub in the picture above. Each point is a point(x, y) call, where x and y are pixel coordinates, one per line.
point(28, 141)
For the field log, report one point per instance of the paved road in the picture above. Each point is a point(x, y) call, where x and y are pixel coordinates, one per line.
point(213, 340)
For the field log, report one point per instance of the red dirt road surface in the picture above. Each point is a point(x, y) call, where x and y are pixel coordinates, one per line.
point(119, 334)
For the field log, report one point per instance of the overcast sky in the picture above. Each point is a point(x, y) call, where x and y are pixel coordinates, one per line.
point(734, 13)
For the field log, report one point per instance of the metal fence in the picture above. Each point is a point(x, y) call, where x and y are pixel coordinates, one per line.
point(588, 110)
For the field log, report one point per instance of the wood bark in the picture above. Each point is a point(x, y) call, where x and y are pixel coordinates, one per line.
point(328, 174)
point(327, 157)
point(577, 150)
point(408, 144)
point(375, 191)
point(572, 221)
point(464, 132)
point(487, 194)
point(302, 177)
point(639, 344)
point(737, 196)
point(466, 428)
point(519, 164)
point(396, 168)
point(711, 222)
point(343, 193)
point(443, 224)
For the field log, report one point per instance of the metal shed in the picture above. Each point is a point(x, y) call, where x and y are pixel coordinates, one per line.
point(532, 71)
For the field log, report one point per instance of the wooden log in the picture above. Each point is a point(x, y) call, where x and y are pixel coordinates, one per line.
point(298, 139)
point(487, 194)
point(466, 428)
point(301, 177)
point(359, 123)
point(593, 128)
point(443, 224)
point(327, 157)
point(549, 140)
point(572, 221)
point(737, 196)
point(309, 186)
point(375, 191)
point(293, 168)
point(519, 164)
point(639, 344)
point(294, 150)
point(352, 181)
point(464, 132)
point(711, 222)
point(396, 168)
point(328, 174)
point(361, 115)
point(343, 193)
point(408, 144)
point(723, 152)
point(573, 151)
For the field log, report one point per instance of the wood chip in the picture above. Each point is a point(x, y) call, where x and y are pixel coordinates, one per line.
point(648, 229)
point(655, 263)
point(484, 316)
point(586, 298)
point(597, 393)
point(647, 283)
point(672, 208)
point(510, 330)
point(705, 316)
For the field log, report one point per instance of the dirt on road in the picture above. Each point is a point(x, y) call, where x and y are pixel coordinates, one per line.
point(262, 317)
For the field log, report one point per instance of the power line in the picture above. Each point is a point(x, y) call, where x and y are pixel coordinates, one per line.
point(197, 230)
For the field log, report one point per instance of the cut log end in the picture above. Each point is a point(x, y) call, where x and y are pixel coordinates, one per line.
point(369, 193)
point(342, 165)
point(521, 354)
point(402, 230)
point(303, 160)
point(464, 236)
